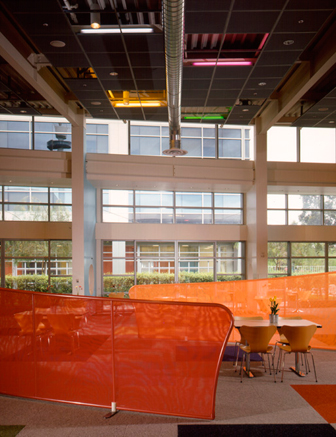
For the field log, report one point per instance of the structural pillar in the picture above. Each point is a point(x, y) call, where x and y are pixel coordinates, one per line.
point(256, 212)
point(83, 218)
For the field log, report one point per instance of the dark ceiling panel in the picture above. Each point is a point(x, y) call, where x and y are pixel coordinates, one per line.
point(301, 21)
point(311, 4)
point(197, 72)
point(112, 60)
point(80, 84)
point(224, 94)
point(232, 72)
point(276, 41)
point(214, 5)
point(252, 22)
point(229, 101)
point(205, 22)
point(27, 7)
point(228, 84)
point(74, 60)
point(71, 44)
point(286, 57)
point(271, 5)
point(44, 24)
point(270, 83)
point(266, 72)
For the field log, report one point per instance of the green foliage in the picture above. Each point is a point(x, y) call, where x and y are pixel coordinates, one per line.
point(124, 283)
point(39, 283)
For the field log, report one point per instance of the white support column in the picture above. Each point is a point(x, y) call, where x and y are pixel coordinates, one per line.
point(256, 213)
point(83, 218)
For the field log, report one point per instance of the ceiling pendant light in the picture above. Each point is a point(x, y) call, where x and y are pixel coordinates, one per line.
point(95, 16)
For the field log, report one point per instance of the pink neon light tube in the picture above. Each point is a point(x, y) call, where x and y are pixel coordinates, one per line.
point(222, 64)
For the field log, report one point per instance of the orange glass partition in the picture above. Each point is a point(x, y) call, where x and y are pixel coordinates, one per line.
point(156, 357)
point(312, 297)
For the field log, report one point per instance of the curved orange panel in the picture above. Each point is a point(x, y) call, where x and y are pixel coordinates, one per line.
point(156, 357)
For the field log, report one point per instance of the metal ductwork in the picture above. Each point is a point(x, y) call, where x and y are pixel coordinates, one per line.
point(173, 25)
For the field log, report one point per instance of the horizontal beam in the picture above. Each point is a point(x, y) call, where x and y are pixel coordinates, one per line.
point(33, 77)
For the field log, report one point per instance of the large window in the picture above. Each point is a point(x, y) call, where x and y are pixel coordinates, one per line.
point(291, 144)
point(128, 206)
point(301, 209)
point(36, 204)
point(199, 142)
point(50, 135)
point(126, 263)
point(38, 265)
point(300, 258)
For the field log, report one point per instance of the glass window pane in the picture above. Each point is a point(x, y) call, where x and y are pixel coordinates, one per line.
point(277, 266)
point(118, 266)
point(306, 266)
point(113, 249)
point(61, 195)
point(191, 132)
point(145, 146)
point(330, 218)
point(317, 145)
point(228, 200)
point(276, 217)
point(312, 218)
point(209, 132)
point(247, 149)
point(281, 144)
point(230, 266)
point(61, 267)
point(154, 215)
point(26, 194)
point(145, 130)
point(14, 125)
point(114, 214)
point(43, 126)
point(154, 198)
point(332, 265)
point(331, 249)
point(96, 128)
point(61, 248)
point(303, 201)
point(26, 212)
point(228, 216)
point(230, 250)
point(14, 140)
point(27, 249)
point(193, 199)
point(165, 131)
point(330, 202)
point(247, 133)
point(229, 148)
point(193, 216)
point(157, 249)
point(118, 197)
point(277, 249)
point(209, 148)
point(199, 250)
point(60, 213)
point(229, 133)
point(193, 146)
point(308, 249)
point(276, 201)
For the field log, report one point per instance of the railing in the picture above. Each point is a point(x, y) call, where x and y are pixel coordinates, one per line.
point(313, 297)
point(156, 357)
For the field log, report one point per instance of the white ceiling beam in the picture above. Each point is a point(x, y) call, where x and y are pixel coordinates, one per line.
point(55, 97)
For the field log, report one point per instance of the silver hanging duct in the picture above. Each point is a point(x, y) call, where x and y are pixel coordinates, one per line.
point(173, 25)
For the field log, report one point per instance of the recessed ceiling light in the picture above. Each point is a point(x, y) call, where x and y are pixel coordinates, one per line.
point(84, 84)
point(262, 83)
point(23, 111)
point(245, 110)
point(331, 122)
point(323, 109)
point(57, 43)
point(113, 73)
point(95, 103)
point(288, 42)
point(255, 94)
point(301, 21)
point(45, 24)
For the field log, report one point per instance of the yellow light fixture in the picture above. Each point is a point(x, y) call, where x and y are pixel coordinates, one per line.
point(137, 104)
